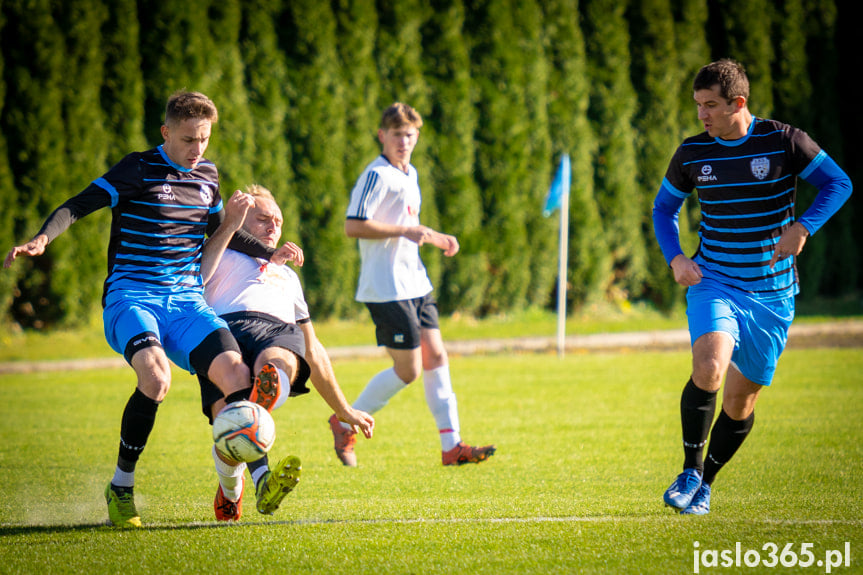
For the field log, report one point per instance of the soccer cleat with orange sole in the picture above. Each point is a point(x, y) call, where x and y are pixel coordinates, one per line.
point(227, 510)
point(463, 453)
point(343, 442)
point(265, 392)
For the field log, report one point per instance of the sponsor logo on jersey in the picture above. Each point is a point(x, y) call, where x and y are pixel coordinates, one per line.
point(167, 193)
point(413, 210)
point(760, 167)
point(707, 174)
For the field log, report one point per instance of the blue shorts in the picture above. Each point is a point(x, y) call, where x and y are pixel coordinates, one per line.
point(759, 328)
point(178, 322)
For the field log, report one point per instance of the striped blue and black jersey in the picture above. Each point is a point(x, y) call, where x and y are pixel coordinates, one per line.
point(747, 191)
point(160, 215)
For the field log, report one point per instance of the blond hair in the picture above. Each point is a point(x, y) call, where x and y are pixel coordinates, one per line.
point(259, 191)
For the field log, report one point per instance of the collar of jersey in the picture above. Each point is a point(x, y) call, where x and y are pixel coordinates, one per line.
point(738, 141)
point(171, 163)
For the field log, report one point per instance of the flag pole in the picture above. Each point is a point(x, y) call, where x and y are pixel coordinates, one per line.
point(561, 274)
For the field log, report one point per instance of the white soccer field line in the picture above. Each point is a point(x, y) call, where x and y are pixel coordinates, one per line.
point(461, 520)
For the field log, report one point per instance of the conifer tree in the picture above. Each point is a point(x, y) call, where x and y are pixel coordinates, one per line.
point(356, 30)
point(268, 93)
point(653, 46)
point(234, 146)
point(834, 245)
point(123, 85)
point(748, 26)
point(540, 230)
point(315, 129)
point(453, 119)
point(612, 110)
point(78, 270)
point(34, 54)
point(399, 56)
point(8, 193)
point(176, 54)
point(357, 24)
point(693, 52)
point(589, 262)
point(502, 136)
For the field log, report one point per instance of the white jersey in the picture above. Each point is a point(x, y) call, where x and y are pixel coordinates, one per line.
point(244, 283)
point(391, 268)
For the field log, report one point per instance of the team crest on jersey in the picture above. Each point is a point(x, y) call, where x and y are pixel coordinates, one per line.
point(413, 210)
point(760, 167)
point(206, 194)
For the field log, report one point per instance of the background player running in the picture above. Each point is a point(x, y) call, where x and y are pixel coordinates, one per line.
point(384, 215)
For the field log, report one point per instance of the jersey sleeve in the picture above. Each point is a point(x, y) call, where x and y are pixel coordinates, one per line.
point(366, 196)
point(834, 189)
point(669, 199)
point(116, 184)
point(88, 201)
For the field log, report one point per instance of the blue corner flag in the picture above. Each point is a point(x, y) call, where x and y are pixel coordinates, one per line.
point(559, 187)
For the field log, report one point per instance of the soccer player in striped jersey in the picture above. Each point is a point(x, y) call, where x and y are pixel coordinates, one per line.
point(742, 280)
point(164, 202)
point(384, 215)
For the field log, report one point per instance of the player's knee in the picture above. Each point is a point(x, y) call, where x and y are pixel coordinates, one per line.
point(707, 372)
point(408, 373)
point(154, 373)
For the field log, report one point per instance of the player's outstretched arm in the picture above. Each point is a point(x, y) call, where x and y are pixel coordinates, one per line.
point(35, 247)
point(324, 380)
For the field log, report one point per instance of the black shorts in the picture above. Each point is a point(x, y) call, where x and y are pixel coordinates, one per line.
point(398, 323)
point(255, 332)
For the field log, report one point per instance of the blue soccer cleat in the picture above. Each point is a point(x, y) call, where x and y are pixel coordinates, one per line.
point(681, 492)
point(700, 504)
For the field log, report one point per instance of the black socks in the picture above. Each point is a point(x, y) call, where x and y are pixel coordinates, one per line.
point(138, 419)
point(697, 408)
point(725, 439)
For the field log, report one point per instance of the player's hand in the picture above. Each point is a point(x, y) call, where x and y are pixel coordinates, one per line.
point(35, 247)
point(420, 234)
point(686, 272)
point(360, 421)
point(289, 252)
point(448, 244)
point(790, 243)
point(236, 209)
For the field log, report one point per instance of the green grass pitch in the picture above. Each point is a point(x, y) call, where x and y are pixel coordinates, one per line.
point(586, 446)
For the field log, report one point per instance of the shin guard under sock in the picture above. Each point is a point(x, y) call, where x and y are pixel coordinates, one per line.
point(725, 439)
point(697, 408)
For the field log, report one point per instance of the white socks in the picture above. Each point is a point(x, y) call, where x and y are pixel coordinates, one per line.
point(230, 477)
point(439, 396)
point(378, 392)
point(443, 406)
point(284, 389)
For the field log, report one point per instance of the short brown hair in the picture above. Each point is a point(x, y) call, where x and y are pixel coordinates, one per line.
point(729, 75)
point(184, 105)
point(399, 115)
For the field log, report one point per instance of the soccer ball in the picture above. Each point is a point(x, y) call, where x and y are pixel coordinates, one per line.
point(244, 431)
